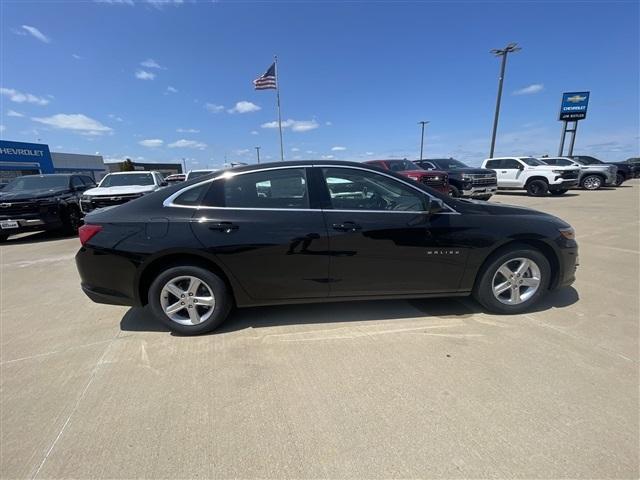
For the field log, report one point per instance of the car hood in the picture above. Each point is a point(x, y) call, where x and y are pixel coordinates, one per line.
point(123, 190)
point(472, 171)
point(551, 167)
point(479, 207)
point(30, 194)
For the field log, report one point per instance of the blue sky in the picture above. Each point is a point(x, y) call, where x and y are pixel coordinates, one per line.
point(165, 80)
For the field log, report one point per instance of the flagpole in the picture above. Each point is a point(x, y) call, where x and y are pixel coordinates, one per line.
point(275, 58)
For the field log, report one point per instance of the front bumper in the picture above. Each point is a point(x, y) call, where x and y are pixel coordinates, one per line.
point(564, 184)
point(29, 224)
point(479, 191)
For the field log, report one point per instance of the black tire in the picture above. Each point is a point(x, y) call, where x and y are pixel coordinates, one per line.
point(537, 188)
point(483, 197)
point(454, 192)
point(221, 294)
point(592, 182)
point(559, 192)
point(72, 219)
point(3, 238)
point(619, 179)
point(483, 289)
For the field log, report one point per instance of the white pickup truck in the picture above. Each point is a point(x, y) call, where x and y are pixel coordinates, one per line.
point(532, 175)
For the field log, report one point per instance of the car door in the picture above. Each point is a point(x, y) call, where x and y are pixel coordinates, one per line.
point(510, 172)
point(262, 228)
point(381, 239)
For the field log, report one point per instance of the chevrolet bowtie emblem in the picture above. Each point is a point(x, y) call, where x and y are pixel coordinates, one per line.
point(576, 99)
point(5, 205)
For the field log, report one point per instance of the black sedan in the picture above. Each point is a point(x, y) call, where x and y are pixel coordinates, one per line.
point(298, 232)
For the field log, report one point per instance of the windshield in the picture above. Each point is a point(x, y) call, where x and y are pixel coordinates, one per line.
point(532, 162)
point(52, 182)
point(128, 179)
point(448, 164)
point(401, 165)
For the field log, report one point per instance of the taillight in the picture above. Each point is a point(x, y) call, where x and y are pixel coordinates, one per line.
point(87, 231)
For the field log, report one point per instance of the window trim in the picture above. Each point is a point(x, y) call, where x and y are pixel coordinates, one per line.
point(168, 202)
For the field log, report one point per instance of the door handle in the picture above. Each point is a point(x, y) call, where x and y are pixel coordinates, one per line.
point(346, 227)
point(225, 227)
point(503, 171)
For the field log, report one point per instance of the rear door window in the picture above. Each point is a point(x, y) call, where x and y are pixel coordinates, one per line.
point(271, 189)
point(493, 164)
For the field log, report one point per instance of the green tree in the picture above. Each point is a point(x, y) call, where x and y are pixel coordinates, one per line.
point(127, 166)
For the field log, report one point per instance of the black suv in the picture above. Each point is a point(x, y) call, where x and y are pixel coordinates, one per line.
point(625, 171)
point(42, 202)
point(464, 181)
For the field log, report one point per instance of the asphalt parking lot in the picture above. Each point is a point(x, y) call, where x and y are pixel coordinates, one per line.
point(412, 389)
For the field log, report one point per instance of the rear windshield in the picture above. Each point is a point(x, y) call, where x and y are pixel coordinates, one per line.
point(37, 183)
point(129, 179)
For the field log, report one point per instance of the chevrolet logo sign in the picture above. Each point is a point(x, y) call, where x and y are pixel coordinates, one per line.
point(5, 205)
point(576, 99)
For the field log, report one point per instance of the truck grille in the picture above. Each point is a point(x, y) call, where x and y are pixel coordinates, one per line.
point(569, 174)
point(107, 201)
point(483, 180)
point(9, 209)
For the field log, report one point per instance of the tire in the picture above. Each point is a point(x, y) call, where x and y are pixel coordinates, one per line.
point(72, 219)
point(454, 192)
point(483, 197)
point(488, 276)
point(619, 179)
point(559, 192)
point(592, 182)
point(208, 317)
point(3, 238)
point(537, 188)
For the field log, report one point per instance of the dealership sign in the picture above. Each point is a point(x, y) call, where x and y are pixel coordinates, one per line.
point(574, 106)
point(26, 153)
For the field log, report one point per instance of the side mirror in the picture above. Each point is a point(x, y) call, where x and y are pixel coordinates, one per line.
point(164, 184)
point(435, 206)
point(520, 167)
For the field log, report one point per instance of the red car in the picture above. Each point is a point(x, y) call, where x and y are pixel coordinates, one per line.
point(433, 178)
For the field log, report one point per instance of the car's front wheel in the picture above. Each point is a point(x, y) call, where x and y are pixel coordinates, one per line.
point(513, 280)
point(619, 179)
point(592, 182)
point(190, 300)
point(537, 188)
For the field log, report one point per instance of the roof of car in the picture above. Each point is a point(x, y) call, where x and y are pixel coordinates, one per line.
point(300, 163)
point(51, 175)
point(133, 171)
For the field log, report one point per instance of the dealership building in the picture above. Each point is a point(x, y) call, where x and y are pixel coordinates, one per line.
point(19, 158)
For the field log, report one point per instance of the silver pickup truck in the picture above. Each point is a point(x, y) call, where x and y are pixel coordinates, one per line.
point(592, 177)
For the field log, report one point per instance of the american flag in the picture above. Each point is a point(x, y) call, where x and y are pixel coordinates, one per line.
point(267, 80)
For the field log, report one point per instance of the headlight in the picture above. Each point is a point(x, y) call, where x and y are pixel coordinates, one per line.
point(48, 200)
point(558, 171)
point(569, 233)
point(467, 177)
point(413, 177)
point(436, 178)
point(85, 198)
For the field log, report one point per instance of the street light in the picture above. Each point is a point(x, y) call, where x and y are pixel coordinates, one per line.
point(258, 152)
point(423, 123)
point(500, 52)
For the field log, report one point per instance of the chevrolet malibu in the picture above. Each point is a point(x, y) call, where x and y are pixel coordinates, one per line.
point(301, 232)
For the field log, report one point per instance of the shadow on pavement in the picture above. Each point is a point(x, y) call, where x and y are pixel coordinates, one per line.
point(37, 237)
point(142, 320)
point(517, 193)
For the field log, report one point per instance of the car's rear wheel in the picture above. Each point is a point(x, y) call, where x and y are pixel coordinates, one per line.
point(513, 280)
point(189, 300)
point(454, 192)
point(592, 182)
point(619, 179)
point(72, 219)
point(537, 188)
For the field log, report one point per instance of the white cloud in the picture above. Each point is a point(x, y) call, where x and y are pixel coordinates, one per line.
point(151, 63)
point(338, 149)
point(294, 125)
point(115, 117)
point(144, 75)
point(530, 89)
point(171, 89)
point(255, 132)
point(162, 3)
point(2, 128)
point(213, 108)
point(188, 144)
point(76, 122)
point(13, 113)
point(151, 142)
point(187, 130)
point(35, 33)
point(19, 97)
point(244, 107)
point(76, 56)
point(295, 149)
point(328, 157)
point(117, 2)
point(242, 151)
point(368, 153)
point(328, 124)
point(309, 152)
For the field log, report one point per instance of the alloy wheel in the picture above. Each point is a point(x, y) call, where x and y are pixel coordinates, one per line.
point(592, 183)
point(516, 281)
point(187, 300)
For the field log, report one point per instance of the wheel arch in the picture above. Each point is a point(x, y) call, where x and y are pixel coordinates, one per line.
point(175, 259)
point(540, 245)
point(600, 175)
point(537, 177)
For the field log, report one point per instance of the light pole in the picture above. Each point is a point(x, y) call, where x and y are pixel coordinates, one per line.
point(423, 123)
point(500, 52)
point(258, 152)
point(184, 165)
